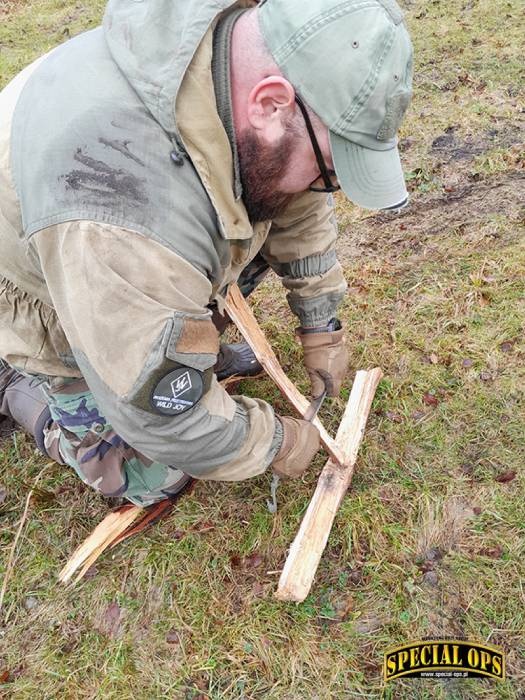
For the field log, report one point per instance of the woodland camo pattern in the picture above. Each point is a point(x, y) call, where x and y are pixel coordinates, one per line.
point(82, 438)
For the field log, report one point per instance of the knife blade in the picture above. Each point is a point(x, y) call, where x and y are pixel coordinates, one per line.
point(314, 407)
point(309, 416)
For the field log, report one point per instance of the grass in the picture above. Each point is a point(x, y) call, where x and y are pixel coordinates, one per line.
point(428, 542)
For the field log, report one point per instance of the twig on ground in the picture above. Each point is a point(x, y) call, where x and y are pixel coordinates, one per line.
point(11, 560)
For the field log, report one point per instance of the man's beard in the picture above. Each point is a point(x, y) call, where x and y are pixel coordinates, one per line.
point(262, 168)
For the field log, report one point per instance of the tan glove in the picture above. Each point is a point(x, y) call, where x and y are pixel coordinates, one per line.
point(300, 443)
point(325, 358)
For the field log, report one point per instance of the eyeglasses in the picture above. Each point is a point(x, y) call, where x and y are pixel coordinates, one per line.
point(328, 176)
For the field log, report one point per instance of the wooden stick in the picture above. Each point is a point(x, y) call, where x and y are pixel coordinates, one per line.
point(240, 312)
point(98, 541)
point(305, 553)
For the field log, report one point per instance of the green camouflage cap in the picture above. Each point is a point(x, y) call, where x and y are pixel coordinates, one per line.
point(351, 61)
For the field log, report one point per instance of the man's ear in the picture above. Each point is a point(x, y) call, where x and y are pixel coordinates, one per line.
point(270, 105)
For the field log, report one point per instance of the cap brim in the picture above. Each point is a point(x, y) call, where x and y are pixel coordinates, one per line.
point(371, 179)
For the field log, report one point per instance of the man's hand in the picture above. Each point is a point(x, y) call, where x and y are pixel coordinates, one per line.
point(299, 445)
point(325, 357)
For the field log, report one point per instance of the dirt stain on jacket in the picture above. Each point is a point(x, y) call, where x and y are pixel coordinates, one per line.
point(102, 180)
point(121, 147)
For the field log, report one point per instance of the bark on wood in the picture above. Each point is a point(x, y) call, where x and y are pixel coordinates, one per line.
point(240, 312)
point(307, 548)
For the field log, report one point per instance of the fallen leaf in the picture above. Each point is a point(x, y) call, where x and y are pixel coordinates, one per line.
point(4, 676)
point(111, 619)
point(253, 561)
point(467, 362)
point(433, 554)
point(173, 637)
point(394, 417)
point(505, 477)
point(43, 497)
point(492, 552)
point(236, 561)
point(430, 577)
point(467, 468)
point(355, 576)
point(484, 300)
point(16, 672)
point(91, 572)
point(258, 589)
point(418, 415)
point(430, 400)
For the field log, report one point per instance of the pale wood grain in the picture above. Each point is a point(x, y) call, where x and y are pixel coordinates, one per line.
point(307, 548)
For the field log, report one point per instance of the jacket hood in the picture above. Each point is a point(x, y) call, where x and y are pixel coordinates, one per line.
point(153, 43)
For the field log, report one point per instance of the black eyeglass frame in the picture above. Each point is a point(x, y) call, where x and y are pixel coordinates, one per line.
point(326, 173)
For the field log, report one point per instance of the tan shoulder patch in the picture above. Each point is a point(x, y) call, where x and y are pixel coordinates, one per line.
point(198, 337)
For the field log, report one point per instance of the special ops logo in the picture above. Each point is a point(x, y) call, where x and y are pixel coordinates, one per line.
point(444, 658)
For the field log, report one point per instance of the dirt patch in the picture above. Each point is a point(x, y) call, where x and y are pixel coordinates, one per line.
point(431, 214)
point(450, 147)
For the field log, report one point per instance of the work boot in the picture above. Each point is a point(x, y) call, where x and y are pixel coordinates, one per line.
point(23, 401)
point(238, 359)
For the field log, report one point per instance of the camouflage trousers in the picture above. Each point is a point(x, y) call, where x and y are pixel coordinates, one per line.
point(81, 437)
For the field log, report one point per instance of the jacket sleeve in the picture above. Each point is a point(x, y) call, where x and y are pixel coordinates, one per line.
point(133, 312)
point(301, 249)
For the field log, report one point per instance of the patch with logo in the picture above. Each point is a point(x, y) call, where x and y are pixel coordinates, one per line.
point(177, 391)
point(396, 107)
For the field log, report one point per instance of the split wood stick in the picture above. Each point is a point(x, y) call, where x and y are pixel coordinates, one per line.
point(241, 313)
point(305, 553)
point(98, 541)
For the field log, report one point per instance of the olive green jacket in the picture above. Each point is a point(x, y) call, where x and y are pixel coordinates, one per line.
point(111, 250)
